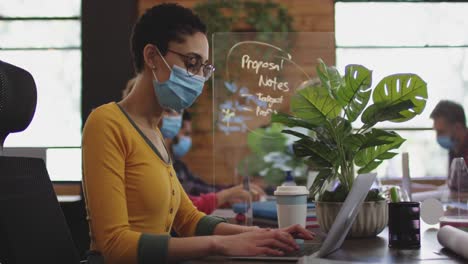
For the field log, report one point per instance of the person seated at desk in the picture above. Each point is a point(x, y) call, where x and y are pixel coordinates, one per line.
point(132, 194)
point(177, 130)
point(452, 134)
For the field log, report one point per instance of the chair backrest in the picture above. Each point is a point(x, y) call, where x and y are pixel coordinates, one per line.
point(32, 226)
point(18, 99)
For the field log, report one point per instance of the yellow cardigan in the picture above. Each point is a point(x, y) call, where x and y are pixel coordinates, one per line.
point(133, 197)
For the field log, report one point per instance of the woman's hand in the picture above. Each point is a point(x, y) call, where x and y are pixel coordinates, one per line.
point(297, 231)
point(256, 242)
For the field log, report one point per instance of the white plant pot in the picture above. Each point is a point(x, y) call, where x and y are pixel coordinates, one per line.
point(370, 221)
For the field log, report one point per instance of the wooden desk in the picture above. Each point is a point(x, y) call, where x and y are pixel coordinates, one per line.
point(373, 250)
point(376, 250)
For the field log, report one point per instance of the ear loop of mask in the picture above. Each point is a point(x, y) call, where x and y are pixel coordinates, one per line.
point(154, 74)
point(165, 62)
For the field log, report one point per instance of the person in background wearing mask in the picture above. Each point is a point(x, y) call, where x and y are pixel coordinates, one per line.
point(452, 134)
point(132, 194)
point(192, 184)
point(200, 192)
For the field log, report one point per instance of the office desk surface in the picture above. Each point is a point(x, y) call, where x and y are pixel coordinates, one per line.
point(373, 250)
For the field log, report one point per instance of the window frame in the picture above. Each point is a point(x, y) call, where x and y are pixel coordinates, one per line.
point(385, 178)
point(40, 152)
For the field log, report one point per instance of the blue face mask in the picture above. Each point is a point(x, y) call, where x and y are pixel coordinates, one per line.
point(182, 147)
point(446, 142)
point(180, 90)
point(171, 126)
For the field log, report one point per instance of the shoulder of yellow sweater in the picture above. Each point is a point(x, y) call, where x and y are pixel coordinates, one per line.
point(109, 110)
point(104, 116)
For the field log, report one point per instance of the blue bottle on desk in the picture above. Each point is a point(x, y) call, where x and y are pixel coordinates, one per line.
point(289, 179)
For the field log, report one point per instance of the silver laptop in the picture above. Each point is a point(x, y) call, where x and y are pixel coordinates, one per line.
point(339, 229)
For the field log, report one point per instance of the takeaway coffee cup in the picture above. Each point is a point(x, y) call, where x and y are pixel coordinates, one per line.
point(291, 205)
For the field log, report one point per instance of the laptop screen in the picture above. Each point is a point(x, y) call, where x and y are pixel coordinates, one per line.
point(348, 212)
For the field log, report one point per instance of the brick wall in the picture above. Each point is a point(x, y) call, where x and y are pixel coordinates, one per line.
point(309, 16)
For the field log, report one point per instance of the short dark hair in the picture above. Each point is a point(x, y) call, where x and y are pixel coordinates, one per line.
point(452, 112)
point(161, 24)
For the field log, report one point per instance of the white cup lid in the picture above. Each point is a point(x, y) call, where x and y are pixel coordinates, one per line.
point(291, 190)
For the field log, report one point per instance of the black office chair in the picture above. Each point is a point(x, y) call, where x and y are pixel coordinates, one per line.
point(32, 226)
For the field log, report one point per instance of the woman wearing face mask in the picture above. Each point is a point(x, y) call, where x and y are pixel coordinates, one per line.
point(176, 130)
point(132, 194)
point(171, 122)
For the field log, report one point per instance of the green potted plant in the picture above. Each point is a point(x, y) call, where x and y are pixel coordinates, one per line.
point(337, 149)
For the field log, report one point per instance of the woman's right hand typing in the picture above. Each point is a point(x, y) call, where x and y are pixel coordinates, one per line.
point(257, 242)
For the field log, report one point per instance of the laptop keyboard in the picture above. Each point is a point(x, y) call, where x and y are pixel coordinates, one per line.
point(305, 250)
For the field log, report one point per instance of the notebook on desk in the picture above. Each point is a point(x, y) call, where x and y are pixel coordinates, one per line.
point(339, 229)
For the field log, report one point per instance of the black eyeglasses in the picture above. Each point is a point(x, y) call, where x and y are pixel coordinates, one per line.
point(194, 62)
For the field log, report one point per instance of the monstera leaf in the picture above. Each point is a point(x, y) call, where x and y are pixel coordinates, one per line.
point(341, 127)
point(381, 112)
point(322, 154)
point(397, 98)
point(316, 132)
point(354, 95)
point(314, 105)
point(371, 157)
point(330, 77)
point(291, 121)
point(324, 176)
point(376, 137)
